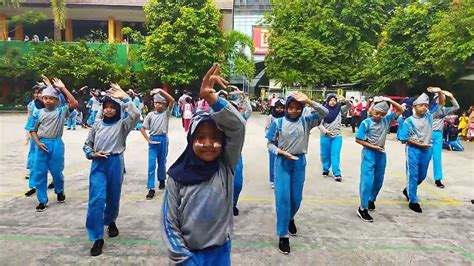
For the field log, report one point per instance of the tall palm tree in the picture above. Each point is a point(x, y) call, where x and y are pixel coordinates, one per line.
point(58, 8)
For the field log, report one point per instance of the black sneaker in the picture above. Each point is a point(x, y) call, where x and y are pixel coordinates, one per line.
point(68, 128)
point(61, 197)
point(439, 184)
point(371, 206)
point(30, 192)
point(41, 207)
point(415, 207)
point(406, 194)
point(151, 194)
point(162, 185)
point(236, 211)
point(51, 185)
point(292, 227)
point(284, 245)
point(96, 249)
point(113, 230)
point(326, 174)
point(27, 176)
point(364, 215)
point(338, 178)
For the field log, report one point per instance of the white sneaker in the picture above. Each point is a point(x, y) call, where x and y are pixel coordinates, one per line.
point(272, 185)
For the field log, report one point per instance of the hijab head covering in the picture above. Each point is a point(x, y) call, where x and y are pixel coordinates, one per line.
point(290, 99)
point(222, 92)
point(118, 110)
point(39, 87)
point(382, 107)
point(333, 110)
point(50, 91)
point(158, 98)
point(189, 169)
point(281, 103)
point(408, 103)
point(422, 99)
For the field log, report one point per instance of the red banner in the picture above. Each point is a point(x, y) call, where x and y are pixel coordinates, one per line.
point(260, 39)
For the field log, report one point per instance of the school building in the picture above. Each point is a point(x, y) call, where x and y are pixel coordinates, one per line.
point(106, 16)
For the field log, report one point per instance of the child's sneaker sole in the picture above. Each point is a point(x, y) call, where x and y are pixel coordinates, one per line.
point(283, 252)
point(360, 216)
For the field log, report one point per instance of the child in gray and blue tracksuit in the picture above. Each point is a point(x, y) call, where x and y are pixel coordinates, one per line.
point(417, 134)
point(34, 105)
point(438, 124)
point(277, 112)
point(331, 137)
point(105, 145)
point(371, 135)
point(46, 128)
point(71, 120)
point(242, 104)
point(197, 221)
point(288, 138)
point(156, 123)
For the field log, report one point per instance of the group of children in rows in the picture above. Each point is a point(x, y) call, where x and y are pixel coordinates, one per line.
point(287, 136)
point(204, 183)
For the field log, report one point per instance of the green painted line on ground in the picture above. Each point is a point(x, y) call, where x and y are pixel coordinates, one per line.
point(252, 244)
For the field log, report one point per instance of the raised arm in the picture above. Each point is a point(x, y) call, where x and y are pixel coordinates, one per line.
point(227, 118)
point(133, 112)
point(346, 104)
point(168, 98)
point(60, 85)
point(441, 97)
point(455, 107)
point(397, 106)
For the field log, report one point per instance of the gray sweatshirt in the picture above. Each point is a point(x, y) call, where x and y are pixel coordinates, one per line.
point(112, 138)
point(157, 123)
point(270, 120)
point(336, 125)
point(196, 217)
point(48, 124)
point(293, 137)
point(441, 113)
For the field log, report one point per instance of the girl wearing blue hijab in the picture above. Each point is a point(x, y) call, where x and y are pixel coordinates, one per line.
point(331, 135)
point(288, 139)
point(197, 218)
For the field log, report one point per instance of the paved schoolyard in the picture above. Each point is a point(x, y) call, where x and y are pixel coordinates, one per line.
point(329, 230)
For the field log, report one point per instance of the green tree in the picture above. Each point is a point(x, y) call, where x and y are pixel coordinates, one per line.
point(133, 36)
point(401, 62)
point(184, 39)
point(323, 41)
point(26, 18)
point(58, 8)
point(452, 41)
point(78, 64)
point(238, 52)
point(14, 73)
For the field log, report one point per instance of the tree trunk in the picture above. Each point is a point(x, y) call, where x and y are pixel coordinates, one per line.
point(57, 34)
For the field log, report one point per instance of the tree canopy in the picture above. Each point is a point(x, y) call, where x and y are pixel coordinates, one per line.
point(184, 39)
point(77, 64)
point(402, 59)
point(323, 41)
